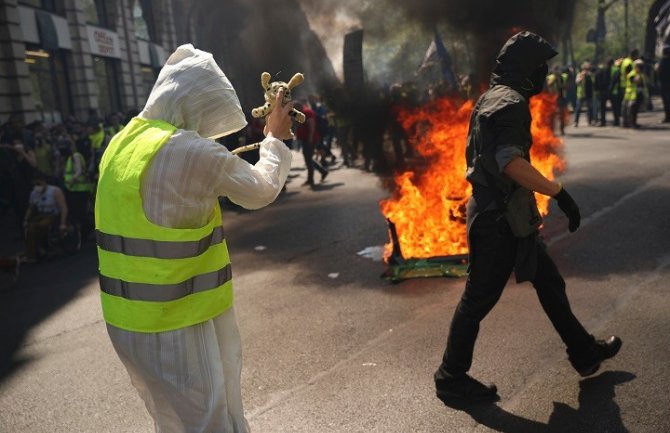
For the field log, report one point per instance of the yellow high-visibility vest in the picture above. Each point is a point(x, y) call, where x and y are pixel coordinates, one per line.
point(153, 278)
point(553, 83)
point(631, 87)
point(626, 63)
point(80, 184)
point(97, 139)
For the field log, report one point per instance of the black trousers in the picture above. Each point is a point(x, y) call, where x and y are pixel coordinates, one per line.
point(616, 101)
point(603, 109)
point(310, 163)
point(493, 251)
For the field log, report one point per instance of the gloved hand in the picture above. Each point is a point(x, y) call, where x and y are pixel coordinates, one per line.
point(569, 208)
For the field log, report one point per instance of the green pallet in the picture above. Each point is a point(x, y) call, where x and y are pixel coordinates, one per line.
point(454, 267)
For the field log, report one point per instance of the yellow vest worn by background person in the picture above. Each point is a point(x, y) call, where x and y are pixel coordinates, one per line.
point(581, 88)
point(153, 278)
point(626, 65)
point(631, 87)
point(97, 139)
point(552, 83)
point(80, 184)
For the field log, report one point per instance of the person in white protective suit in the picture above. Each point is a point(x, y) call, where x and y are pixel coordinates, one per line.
point(185, 364)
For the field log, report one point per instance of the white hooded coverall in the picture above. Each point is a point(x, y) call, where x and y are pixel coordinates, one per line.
point(189, 378)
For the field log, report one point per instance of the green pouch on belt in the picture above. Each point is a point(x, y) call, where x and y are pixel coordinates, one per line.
point(521, 213)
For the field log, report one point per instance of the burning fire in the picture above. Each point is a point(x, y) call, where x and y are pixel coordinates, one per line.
point(428, 204)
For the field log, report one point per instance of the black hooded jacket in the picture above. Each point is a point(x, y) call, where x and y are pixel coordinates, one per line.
point(500, 131)
point(500, 122)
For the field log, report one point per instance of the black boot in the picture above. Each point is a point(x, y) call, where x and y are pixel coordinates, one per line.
point(603, 349)
point(464, 389)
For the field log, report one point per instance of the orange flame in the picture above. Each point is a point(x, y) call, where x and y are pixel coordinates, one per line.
point(428, 204)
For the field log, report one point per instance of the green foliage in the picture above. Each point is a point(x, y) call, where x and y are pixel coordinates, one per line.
point(615, 40)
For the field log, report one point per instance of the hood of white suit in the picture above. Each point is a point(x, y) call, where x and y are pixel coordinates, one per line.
point(194, 94)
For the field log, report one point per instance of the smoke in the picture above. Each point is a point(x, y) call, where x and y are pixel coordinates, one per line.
point(248, 37)
point(331, 20)
point(396, 28)
point(488, 23)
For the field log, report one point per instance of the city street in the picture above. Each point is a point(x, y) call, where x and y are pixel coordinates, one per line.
point(329, 346)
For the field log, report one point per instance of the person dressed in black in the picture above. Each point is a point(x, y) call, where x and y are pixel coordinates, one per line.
point(602, 85)
point(615, 91)
point(503, 222)
point(663, 72)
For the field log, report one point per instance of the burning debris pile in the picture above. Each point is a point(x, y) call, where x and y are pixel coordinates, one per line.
point(428, 204)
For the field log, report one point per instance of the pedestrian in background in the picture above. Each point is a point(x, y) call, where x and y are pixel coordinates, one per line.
point(663, 73)
point(584, 85)
point(47, 210)
point(615, 93)
point(602, 87)
point(78, 185)
point(636, 94)
point(308, 136)
point(556, 86)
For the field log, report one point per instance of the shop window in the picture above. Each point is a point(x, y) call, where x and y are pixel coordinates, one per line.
point(48, 76)
point(141, 27)
point(96, 12)
point(106, 75)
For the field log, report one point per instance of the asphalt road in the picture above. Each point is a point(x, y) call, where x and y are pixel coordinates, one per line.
point(331, 347)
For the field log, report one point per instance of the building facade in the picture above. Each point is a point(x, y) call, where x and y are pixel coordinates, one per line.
point(68, 57)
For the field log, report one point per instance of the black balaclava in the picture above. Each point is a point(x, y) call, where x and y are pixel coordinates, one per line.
point(522, 63)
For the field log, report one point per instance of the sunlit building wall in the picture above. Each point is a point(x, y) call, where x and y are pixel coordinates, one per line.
point(66, 57)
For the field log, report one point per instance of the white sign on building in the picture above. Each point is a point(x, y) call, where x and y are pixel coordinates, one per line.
point(104, 42)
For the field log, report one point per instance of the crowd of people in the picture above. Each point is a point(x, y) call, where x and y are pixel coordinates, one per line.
point(47, 177)
point(48, 172)
point(622, 85)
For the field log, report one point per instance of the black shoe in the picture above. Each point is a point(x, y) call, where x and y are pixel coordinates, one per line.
point(604, 349)
point(308, 182)
point(323, 176)
point(464, 389)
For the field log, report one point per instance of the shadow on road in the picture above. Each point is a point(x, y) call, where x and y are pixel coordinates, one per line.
point(41, 290)
point(326, 186)
point(594, 135)
point(597, 412)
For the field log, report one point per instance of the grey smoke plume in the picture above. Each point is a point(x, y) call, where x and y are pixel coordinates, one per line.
point(481, 26)
point(248, 37)
point(490, 22)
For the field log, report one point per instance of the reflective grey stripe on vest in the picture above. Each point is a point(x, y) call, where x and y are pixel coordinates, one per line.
point(165, 292)
point(158, 249)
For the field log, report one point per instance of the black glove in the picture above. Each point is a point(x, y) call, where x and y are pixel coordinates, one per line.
point(569, 208)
